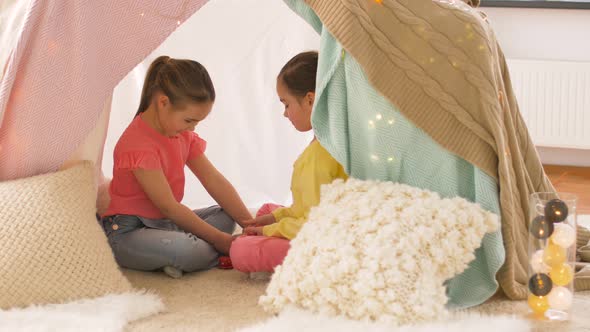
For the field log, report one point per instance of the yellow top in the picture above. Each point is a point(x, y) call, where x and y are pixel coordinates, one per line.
point(314, 167)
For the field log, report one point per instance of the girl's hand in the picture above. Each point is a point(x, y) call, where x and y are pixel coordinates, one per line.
point(249, 223)
point(224, 243)
point(266, 219)
point(253, 230)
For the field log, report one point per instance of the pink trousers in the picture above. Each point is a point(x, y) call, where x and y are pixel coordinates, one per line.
point(267, 209)
point(258, 253)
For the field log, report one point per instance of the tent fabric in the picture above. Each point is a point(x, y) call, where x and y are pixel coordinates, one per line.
point(67, 61)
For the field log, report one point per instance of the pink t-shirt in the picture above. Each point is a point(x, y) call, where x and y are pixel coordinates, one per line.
point(141, 146)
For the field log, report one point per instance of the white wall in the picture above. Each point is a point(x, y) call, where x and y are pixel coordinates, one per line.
point(545, 34)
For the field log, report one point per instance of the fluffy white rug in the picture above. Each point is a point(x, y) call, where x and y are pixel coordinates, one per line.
point(296, 320)
point(106, 314)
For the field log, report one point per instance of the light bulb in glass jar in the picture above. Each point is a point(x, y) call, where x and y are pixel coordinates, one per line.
point(538, 304)
point(537, 263)
point(554, 255)
point(560, 298)
point(541, 228)
point(562, 275)
point(540, 284)
point(556, 211)
point(564, 235)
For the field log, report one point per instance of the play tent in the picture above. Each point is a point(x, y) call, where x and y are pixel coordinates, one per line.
point(56, 85)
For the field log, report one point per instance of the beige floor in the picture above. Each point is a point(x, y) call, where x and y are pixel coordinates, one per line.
point(216, 300)
point(221, 300)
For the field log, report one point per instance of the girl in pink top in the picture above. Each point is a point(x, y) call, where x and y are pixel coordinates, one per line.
point(147, 226)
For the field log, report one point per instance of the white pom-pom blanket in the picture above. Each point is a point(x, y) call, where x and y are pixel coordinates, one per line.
point(379, 251)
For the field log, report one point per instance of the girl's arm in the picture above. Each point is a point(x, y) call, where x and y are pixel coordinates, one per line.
point(263, 220)
point(286, 228)
point(155, 185)
point(220, 189)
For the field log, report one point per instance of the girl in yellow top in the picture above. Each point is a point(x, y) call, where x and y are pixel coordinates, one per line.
point(268, 235)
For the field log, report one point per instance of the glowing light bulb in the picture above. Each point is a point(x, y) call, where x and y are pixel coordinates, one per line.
point(541, 228)
point(560, 298)
point(378, 116)
point(562, 275)
point(540, 284)
point(538, 264)
point(554, 255)
point(556, 210)
point(538, 304)
point(564, 235)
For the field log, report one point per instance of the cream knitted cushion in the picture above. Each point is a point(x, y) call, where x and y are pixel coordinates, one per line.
point(380, 251)
point(51, 246)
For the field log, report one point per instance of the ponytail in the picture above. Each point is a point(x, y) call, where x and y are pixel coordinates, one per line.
point(180, 80)
point(150, 83)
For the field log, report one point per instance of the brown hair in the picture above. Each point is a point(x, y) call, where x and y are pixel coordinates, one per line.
point(300, 72)
point(179, 79)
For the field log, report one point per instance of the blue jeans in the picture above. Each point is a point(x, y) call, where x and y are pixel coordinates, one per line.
point(150, 244)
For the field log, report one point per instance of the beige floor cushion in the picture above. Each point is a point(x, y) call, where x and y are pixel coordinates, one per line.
point(51, 247)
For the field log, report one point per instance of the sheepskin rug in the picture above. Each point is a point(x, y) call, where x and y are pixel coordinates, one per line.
point(379, 251)
point(109, 313)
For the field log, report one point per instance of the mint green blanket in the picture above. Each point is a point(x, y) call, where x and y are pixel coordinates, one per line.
point(373, 140)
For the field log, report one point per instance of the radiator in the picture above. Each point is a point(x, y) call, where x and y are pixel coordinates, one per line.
point(554, 99)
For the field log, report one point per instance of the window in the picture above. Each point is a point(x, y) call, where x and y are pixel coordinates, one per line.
point(571, 4)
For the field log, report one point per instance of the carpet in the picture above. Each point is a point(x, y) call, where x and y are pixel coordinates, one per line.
point(227, 300)
point(221, 300)
point(217, 300)
point(295, 320)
